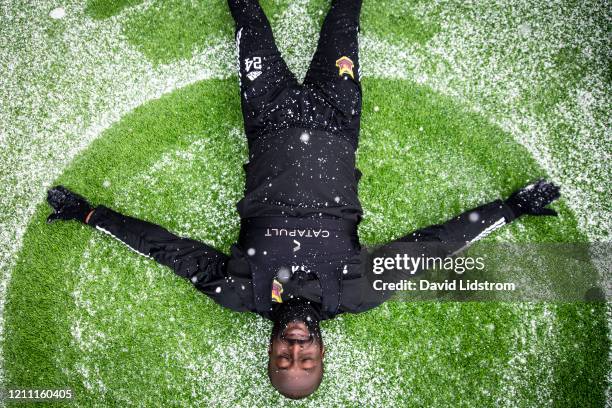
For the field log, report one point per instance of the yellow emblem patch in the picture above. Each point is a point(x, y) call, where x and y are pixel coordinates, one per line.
point(277, 291)
point(345, 65)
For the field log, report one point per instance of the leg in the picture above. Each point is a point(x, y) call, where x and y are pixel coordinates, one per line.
point(334, 70)
point(337, 52)
point(262, 72)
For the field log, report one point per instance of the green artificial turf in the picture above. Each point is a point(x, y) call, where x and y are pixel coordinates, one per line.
point(82, 311)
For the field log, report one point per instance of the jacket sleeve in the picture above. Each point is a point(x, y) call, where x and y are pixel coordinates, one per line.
point(460, 232)
point(440, 240)
point(204, 266)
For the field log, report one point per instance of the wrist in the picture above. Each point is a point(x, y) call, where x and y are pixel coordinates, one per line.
point(515, 208)
point(511, 210)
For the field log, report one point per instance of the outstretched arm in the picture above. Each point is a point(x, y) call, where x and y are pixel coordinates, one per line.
point(185, 256)
point(457, 234)
point(202, 264)
point(473, 225)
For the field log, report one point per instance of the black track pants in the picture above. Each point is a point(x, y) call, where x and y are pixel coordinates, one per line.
point(338, 39)
point(330, 97)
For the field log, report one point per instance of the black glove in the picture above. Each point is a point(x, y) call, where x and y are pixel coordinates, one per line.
point(532, 199)
point(67, 205)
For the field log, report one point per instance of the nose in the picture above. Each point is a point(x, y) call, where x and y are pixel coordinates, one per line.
point(294, 350)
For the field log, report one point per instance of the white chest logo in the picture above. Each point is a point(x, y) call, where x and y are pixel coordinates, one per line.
point(254, 62)
point(255, 65)
point(253, 75)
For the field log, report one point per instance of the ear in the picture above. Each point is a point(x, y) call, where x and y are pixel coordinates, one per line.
point(322, 351)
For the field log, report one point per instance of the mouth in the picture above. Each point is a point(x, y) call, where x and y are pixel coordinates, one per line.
point(296, 331)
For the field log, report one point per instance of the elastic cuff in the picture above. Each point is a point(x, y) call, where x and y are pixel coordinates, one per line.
point(510, 213)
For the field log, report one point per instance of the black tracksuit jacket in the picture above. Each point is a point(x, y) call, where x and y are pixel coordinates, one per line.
point(229, 283)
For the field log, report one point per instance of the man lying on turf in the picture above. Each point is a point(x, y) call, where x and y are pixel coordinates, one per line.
point(298, 259)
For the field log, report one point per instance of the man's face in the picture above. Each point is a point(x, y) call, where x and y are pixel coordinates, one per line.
point(295, 365)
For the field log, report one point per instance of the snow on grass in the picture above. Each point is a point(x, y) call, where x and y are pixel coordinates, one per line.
point(502, 65)
point(47, 67)
point(297, 41)
point(64, 80)
point(535, 341)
